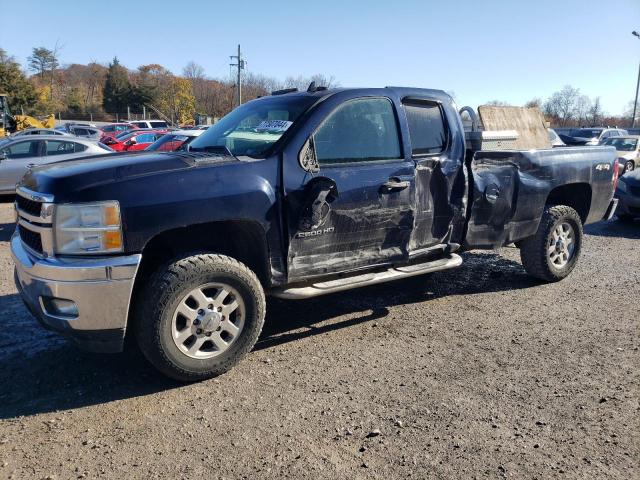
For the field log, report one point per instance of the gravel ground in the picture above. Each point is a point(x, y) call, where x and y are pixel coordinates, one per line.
point(479, 372)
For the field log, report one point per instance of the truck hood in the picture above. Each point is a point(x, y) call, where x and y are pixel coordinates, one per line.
point(87, 172)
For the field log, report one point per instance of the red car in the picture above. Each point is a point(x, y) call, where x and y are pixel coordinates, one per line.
point(115, 129)
point(135, 140)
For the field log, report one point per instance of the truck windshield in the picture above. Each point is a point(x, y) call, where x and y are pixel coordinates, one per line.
point(622, 144)
point(585, 133)
point(251, 129)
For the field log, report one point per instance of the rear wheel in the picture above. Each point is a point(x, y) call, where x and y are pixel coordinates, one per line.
point(551, 254)
point(628, 167)
point(199, 316)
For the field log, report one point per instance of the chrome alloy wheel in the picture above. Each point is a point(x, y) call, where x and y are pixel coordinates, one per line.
point(561, 245)
point(208, 320)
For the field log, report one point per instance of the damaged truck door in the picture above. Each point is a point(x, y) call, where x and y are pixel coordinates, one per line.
point(356, 207)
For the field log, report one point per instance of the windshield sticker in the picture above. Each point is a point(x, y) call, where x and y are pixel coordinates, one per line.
point(275, 126)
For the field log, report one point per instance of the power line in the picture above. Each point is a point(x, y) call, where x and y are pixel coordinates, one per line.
point(241, 63)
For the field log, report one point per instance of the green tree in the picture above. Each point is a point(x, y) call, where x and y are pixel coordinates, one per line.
point(13, 82)
point(117, 89)
point(42, 61)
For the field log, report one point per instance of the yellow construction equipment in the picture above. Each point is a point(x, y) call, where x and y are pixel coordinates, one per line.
point(14, 123)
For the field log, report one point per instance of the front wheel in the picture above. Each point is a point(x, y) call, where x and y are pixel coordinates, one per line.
point(551, 254)
point(200, 315)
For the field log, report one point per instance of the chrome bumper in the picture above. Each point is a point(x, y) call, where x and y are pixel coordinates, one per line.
point(100, 289)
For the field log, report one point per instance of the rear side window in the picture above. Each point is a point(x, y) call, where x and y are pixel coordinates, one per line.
point(55, 147)
point(360, 130)
point(158, 124)
point(427, 128)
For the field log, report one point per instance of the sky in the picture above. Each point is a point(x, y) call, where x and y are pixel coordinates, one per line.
point(486, 50)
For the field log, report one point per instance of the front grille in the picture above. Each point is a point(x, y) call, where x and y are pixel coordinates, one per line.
point(33, 240)
point(28, 206)
point(635, 191)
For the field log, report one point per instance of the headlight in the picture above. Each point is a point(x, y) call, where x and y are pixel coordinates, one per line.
point(87, 228)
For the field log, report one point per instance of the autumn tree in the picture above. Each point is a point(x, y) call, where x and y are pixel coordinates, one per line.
point(177, 101)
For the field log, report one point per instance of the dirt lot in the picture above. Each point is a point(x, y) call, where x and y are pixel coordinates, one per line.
point(479, 372)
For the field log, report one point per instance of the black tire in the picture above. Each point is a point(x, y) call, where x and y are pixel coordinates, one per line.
point(534, 251)
point(166, 290)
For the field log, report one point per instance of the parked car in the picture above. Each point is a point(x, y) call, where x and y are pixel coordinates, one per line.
point(556, 141)
point(115, 128)
point(176, 140)
point(293, 195)
point(594, 136)
point(17, 154)
point(134, 140)
point(149, 123)
point(66, 127)
point(86, 132)
point(628, 195)
point(39, 131)
point(628, 150)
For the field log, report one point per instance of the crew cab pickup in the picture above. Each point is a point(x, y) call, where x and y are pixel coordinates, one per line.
point(295, 195)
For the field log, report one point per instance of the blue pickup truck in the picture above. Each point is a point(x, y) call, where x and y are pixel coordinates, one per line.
point(295, 195)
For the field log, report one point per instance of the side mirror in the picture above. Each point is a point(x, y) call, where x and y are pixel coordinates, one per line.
point(132, 141)
point(307, 157)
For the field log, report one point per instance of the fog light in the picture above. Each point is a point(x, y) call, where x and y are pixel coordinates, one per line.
point(59, 307)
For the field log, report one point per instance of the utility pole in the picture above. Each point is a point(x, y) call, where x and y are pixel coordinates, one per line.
point(240, 65)
point(635, 102)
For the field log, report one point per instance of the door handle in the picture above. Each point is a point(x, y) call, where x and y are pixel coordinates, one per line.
point(394, 185)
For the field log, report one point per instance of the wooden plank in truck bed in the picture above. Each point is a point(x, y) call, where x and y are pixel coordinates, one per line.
point(528, 122)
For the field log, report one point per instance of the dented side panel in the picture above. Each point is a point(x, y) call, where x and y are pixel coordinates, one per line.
point(362, 226)
point(511, 188)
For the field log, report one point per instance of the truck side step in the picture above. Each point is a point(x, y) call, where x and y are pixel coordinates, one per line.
point(394, 273)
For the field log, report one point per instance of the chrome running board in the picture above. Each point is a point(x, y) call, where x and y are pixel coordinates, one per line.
point(362, 280)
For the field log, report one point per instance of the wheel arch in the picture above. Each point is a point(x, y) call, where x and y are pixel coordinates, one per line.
point(575, 195)
point(243, 240)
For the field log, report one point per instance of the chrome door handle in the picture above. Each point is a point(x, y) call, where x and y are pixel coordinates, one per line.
point(394, 185)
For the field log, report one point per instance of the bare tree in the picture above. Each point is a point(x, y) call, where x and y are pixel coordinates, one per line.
point(561, 105)
point(302, 83)
point(534, 102)
point(497, 103)
point(582, 109)
point(595, 112)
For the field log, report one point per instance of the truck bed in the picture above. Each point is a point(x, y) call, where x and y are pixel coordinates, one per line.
point(510, 189)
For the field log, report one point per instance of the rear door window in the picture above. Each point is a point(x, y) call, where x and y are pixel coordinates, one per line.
point(427, 127)
point(145, 138)
point(59, 147)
